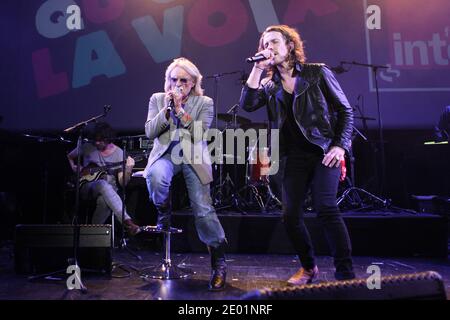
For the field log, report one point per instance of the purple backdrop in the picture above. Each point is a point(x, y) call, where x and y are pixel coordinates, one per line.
point(53, 77)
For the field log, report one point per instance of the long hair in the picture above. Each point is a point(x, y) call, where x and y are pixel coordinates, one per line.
point(190, 68)
point(297, 54)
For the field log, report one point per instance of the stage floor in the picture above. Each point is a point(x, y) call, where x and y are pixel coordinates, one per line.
point(246, 272)
point(386, 233)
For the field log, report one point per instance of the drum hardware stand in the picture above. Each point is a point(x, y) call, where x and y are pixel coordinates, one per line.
point(355, 196)
point(272, 198)
point(218, 194)
point(235, 201)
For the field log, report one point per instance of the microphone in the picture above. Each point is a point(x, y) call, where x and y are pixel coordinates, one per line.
point(171, 105)
point(339, 69)
point(258, 57)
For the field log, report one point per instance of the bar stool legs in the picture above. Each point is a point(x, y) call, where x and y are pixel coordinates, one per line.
point(165, 270)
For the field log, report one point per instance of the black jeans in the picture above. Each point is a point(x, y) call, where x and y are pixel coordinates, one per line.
point(300, 171)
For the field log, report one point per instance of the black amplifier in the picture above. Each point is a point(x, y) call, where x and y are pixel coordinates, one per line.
point(49, 247)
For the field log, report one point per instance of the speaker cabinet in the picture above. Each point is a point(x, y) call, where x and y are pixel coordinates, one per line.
point(47, 248)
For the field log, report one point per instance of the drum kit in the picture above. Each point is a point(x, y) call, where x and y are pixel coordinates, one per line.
point(257, 193)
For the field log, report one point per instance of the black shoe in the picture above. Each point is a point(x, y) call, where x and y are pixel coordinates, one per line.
point(219, 268)
point(218, 279)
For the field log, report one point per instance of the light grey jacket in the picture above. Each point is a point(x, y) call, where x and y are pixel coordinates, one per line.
point(161, 130)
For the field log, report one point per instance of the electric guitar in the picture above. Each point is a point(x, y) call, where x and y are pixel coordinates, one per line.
point(94, 172)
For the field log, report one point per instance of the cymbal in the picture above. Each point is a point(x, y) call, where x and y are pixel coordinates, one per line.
point(229, 118)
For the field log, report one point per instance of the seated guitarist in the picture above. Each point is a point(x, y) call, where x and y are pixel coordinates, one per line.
point(103, 152)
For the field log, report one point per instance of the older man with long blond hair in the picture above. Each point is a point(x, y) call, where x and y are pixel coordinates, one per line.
point(177, 119)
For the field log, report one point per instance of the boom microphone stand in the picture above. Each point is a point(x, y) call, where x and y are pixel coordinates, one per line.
point(76, 227)
point(236, 201)
point(217, 78)
point(218, 196)
point(374, 69)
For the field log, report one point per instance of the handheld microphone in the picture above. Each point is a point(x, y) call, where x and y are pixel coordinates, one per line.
point(171, 105)
point(258, 57)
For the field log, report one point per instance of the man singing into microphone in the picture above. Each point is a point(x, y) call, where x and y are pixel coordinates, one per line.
point(177, 119)
point(305, 102)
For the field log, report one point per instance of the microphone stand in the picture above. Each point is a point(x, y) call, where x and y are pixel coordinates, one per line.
point(374, 69)
point(353, 194)
point(218, 196)
point(216, 78)
point(76, 228)
point(235, 198)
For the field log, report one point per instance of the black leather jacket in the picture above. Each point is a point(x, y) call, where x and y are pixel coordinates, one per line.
point(321, 109)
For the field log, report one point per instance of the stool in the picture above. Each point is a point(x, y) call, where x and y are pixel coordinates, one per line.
point(165, 270)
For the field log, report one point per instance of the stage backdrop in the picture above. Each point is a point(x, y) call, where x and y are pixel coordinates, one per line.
point(53, 77)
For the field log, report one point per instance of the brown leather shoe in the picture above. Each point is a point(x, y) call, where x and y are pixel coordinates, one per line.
point(132, 228)
point(303, 276)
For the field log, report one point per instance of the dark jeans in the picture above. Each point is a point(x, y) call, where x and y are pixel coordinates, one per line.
point(300, 171)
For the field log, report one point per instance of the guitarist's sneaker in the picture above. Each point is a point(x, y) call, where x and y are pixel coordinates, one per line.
point(132, 228)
